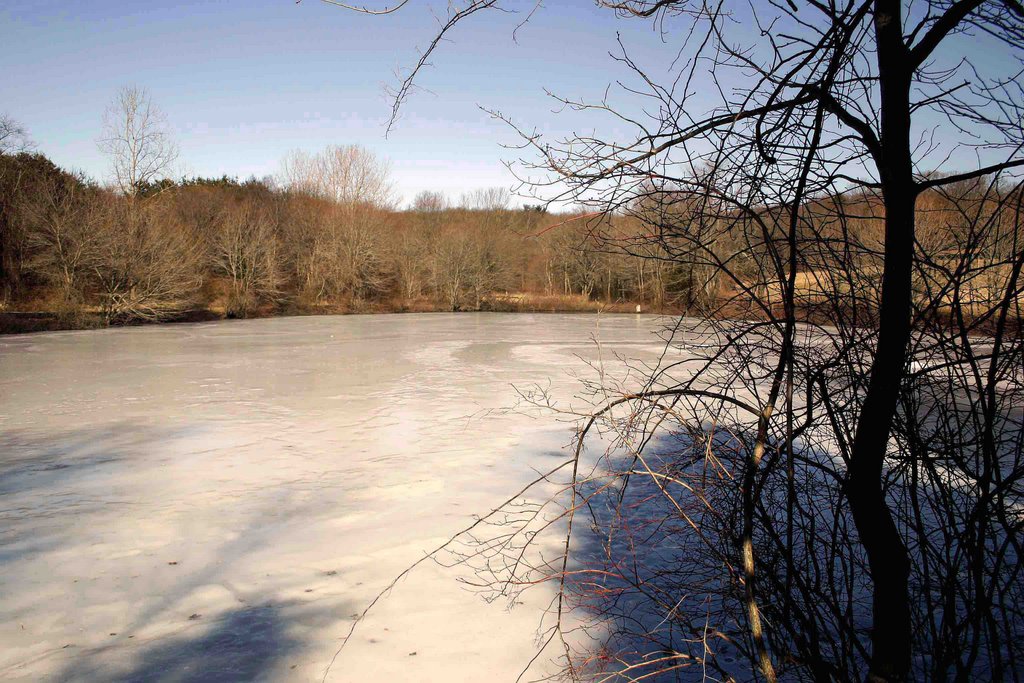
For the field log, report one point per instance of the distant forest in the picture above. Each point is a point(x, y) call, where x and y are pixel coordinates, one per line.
point(325, 237)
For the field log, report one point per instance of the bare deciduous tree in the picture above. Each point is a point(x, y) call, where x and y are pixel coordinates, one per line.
point(25, 180)
point(486, 199)
point(429, 202)
point(338, 251)
point(244, 249)
point(355, 255)
point(137, 138)
point(842, 501)
point(62, 236)
point(147, 266)
point(409, 253)
point(13, 140)
point(346, 174)
point(13, 136)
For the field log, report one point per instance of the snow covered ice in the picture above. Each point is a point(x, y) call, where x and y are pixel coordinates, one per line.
point(217, 501)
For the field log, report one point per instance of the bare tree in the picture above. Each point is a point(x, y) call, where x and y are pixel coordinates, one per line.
point(347, 174)
point(137, 138)
point(429, 202)
point(26, 179)
point(848, 504)
point(358, 266)
point(339, 251)
point(486, 199)
point(452, 263)
point(409, 253)
point(244, 249)
point(466, 265)
point(490, 265)
point(62, 237)
point(14, 140)
point(13, 136)
point(146, 266)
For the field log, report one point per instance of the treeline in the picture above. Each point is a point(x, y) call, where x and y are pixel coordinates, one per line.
point(326, 237)
point(89, 254)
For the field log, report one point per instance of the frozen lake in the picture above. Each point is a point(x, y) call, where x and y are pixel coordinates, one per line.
point(215, 502)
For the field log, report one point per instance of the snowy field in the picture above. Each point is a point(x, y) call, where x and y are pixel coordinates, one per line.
point(215, 502)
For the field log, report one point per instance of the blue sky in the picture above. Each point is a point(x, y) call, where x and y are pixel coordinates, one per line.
point(244, 82)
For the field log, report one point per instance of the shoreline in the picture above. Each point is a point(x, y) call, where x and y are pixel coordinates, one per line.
point(35, 321)
point(28, 322)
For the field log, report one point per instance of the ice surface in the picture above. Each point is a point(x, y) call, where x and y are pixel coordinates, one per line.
point(215, 502)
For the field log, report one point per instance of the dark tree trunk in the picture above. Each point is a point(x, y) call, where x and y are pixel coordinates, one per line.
point(887, 554)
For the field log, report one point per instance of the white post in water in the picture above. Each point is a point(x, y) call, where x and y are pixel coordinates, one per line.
point(638, 308)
